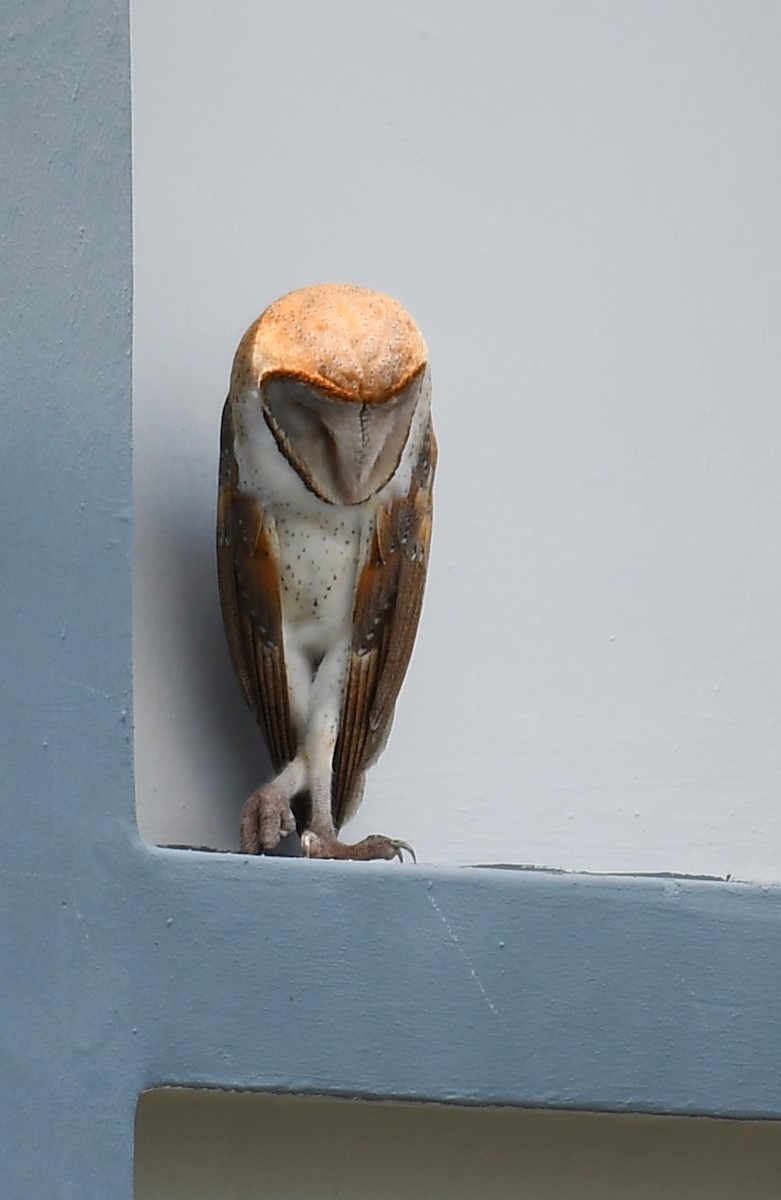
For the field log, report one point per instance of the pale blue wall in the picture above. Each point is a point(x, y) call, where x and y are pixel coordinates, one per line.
point(65, 774)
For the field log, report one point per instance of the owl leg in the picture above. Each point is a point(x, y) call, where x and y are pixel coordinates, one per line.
point(316, 702)
point(267, 816)
point(320, 840)
point(322, 728)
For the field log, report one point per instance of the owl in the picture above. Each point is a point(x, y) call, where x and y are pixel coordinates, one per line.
point(323, 530)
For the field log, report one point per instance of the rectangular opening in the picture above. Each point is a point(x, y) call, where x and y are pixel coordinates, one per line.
point(206, 1145)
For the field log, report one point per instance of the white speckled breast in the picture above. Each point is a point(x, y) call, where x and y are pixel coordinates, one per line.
point(318, 565)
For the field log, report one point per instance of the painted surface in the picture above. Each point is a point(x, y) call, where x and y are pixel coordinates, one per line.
point(66, 803)
point(125, 967)
point(579, 204)
point(195, 1146)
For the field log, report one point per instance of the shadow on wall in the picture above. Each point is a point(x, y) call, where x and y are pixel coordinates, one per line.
point(217, 721)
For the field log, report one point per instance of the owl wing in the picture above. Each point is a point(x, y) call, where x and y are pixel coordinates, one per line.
point(388, 601)
point(250, 596)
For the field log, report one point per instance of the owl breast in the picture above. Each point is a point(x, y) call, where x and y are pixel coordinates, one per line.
point(318, 560)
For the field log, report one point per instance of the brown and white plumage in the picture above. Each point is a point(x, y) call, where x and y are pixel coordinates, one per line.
point(323, 530)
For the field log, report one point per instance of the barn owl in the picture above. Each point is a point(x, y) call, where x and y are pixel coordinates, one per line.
point(323, 529)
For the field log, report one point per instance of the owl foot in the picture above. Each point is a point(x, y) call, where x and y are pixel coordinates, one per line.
point(374, 846)
point(265, 819)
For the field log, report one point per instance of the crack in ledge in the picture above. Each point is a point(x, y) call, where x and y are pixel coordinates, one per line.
point(508, 866)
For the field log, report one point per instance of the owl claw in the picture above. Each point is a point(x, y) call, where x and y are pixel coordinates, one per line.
point(375, 846)
point(265, 819)
point(403, 846)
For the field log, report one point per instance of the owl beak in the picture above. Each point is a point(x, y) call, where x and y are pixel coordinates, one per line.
point(344, 450)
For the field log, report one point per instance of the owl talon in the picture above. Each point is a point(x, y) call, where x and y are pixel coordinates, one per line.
point(375, 846)
point(265, 819)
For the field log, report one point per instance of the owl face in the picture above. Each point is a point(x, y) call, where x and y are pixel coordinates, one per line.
point(344, 449)
point(339, 372)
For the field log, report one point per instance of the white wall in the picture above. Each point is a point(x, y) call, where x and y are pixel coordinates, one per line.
point(579, 203)
point(193, 1145)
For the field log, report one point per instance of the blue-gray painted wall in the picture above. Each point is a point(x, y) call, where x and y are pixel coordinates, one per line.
point(126, 967)
point(67, 792)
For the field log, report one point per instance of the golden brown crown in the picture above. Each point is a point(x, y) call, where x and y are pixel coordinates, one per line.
point(357, 344)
